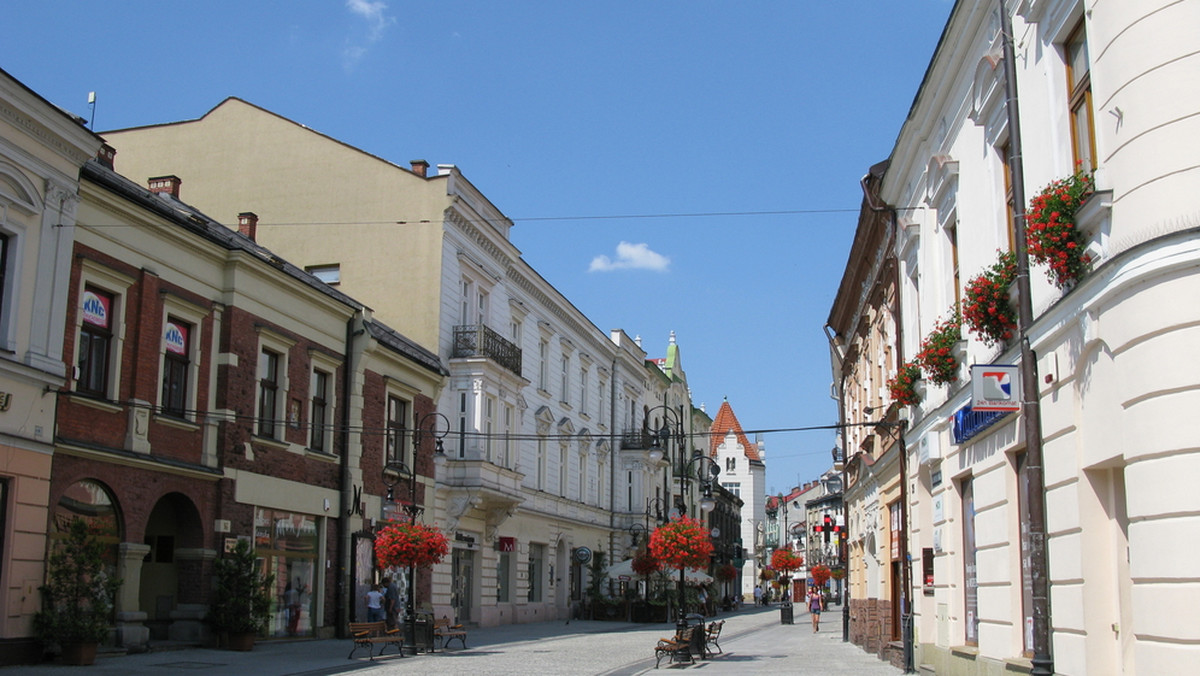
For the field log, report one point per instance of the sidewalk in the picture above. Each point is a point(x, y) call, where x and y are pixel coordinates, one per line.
point(753, 640)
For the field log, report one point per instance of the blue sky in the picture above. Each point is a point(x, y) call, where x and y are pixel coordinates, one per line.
point(669, 166)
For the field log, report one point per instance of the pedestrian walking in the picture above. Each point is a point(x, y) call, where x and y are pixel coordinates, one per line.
point(814, 608)
point(374, 604)
point(758, 596)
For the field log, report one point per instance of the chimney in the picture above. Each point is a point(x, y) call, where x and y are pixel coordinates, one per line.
point(248, 224)
point(420, 168)
point(106, 155)
point(166, 184)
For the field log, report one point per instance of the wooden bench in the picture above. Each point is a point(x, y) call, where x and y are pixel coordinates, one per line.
point(676, 648)
point(367, 634)
point(447, 632)
point(711, 635)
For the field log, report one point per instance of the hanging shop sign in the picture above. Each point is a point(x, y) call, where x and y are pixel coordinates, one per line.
point(994, 387)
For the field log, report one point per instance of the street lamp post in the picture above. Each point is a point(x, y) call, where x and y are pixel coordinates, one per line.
point(395, 470)
point(670, 442)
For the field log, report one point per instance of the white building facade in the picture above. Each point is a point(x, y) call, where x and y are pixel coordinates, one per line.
point(1104, 86)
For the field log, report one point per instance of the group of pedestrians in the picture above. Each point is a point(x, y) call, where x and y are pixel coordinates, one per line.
point(383, 603)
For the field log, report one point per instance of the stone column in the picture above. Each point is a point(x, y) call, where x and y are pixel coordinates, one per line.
point(132, 631)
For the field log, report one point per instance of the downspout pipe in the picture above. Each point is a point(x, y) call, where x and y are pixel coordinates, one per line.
point(1031, 411)
point(345, 509)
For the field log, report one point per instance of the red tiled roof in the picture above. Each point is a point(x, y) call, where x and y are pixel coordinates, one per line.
point(727, 422)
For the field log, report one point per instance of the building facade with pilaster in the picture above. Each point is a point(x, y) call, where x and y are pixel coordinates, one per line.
point(1097, 86)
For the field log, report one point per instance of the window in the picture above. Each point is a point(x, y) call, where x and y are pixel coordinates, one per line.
point(970, 577)
point(319, 418)
point(543, 359)
point(489, 427)
point(952, 239)
point(95, 341)
point(177, 348)
point(563, 464)
point(566, 379)
point(507, 460)
point(537, 558)
point(1009, 202)
point(541, 464)
point(3, 271)
point(583, 389)
point(330, 274)
point(734, 487)
point(1079, 79)
point(268, 392)
point(503, 582)
point(462, 425)
point(730, 464)
point(397, 425)
point(464, 311)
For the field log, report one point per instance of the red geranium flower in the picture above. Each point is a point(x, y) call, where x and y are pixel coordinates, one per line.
point(410, 544)
point(1051, 236)
point(682, 543)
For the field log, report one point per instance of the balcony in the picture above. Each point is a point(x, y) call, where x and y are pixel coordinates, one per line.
point(480, 341)
point(637, 440)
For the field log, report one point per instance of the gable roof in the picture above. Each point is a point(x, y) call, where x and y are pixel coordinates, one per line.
point(727, 422)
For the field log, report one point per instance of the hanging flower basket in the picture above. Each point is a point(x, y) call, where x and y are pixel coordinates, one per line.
point(936, 358)
point(1051, 236)
point(838, 573)
point(682, 543)
point(726, 573)
point(645, 564)
point(766, 574)
point(785, 560)
point(820, 575)
point(986, 307)
point(410, 544)
point(903, 388)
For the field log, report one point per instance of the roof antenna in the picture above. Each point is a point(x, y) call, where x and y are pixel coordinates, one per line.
point(92, 103)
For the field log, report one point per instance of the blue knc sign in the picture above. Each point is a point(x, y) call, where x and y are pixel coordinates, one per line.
point(969, 422)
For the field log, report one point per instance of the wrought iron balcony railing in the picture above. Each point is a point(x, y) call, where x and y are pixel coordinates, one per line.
point(480, 341)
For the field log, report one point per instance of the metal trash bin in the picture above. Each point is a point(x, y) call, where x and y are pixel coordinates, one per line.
point(419, 635)
point(786, 614)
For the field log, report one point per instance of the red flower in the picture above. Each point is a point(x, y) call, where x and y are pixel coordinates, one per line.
point(820, 575)
point(645, 564)
point(682, 543)
point(1053, 240)
point(726, 572)
point(987, 311)
point(408, 544)
point(935, 358)
point(902, 388)
point(786, 560)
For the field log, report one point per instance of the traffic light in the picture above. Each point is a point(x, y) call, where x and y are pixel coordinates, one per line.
point(828, 527)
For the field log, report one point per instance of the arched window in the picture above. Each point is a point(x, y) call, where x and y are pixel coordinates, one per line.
point(91, 501)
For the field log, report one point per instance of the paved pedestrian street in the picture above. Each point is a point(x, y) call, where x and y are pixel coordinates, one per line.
point(753, 642)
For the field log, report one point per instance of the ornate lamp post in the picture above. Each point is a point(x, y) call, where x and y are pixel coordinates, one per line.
point(395, 470)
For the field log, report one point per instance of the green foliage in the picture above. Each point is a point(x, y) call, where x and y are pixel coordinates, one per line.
point(597, 576)
point(242, 598)
point(78, 597)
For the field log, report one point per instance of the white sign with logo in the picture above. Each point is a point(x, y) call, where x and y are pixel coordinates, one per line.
point(995, 387)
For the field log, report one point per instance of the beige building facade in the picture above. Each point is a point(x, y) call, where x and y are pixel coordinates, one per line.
point(41, 152)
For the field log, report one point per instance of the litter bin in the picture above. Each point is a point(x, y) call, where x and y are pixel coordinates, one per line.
point(785, 614)
point(418, 636)
point(697, 643)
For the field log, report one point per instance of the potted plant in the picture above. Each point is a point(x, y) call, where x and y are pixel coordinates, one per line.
point(936, 357)
point(242, 598)
point(78, 597)
point(1051, 235)
point(986, 307)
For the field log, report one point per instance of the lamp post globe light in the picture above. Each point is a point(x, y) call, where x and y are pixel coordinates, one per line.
point(396, 470)
point(669, 443)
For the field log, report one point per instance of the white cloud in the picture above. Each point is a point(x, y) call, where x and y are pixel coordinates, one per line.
point(631, 257)
point(375, 13)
